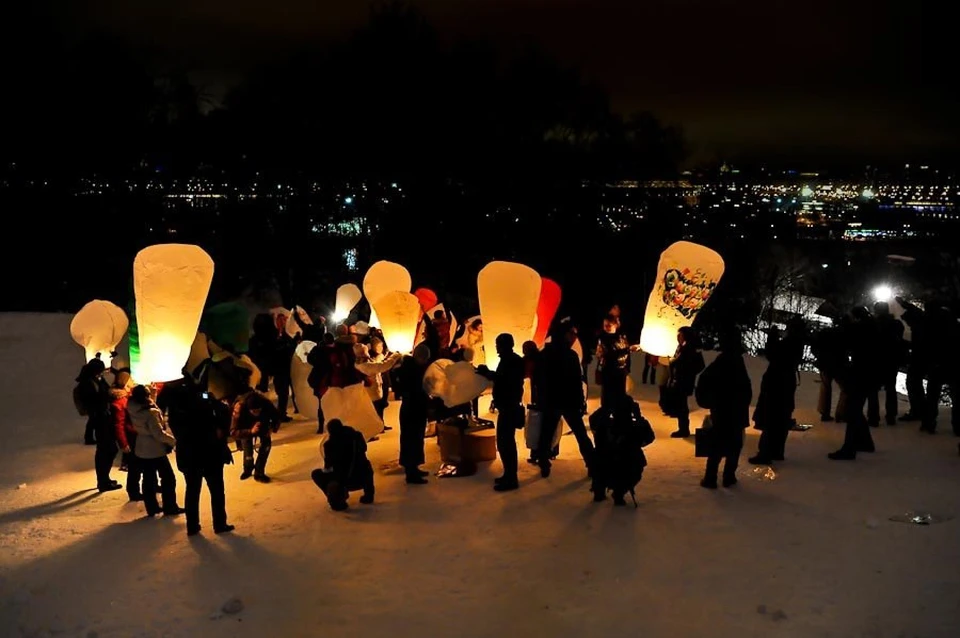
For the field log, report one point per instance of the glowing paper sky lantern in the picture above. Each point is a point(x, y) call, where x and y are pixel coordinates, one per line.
point(98, 328)
point(170, 282)
point(509, 295)
point(687, 275)
point(399, 313)
point(348, 296)
point(546, 309)
point(384, 277)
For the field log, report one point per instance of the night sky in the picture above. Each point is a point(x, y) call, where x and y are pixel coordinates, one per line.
point(750, 77)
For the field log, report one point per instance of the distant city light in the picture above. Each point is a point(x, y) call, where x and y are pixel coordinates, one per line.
point(393, 185)
point(867, 193)
point(825, 266)
point(883, 293)
point(348, 200)
point(806, 191)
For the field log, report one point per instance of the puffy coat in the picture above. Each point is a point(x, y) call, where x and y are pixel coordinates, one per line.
point(153, 438)
point(121, 420)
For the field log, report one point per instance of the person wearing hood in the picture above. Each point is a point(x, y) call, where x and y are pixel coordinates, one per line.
point(724, 388)
point(154, 443)
point(93, 393)
point(124, 431)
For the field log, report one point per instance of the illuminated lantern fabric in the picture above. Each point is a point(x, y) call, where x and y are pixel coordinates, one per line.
point(428, 298)
point(98, 327)
point(384, 277)
point(348, 296)
point(546, 309)
point(687, 275)
point(454, 383)
point(199, 352)
point(228, 323)
point(170, 282)
point(354, 407)
point(307, 401)
point(399, 314)
point(509, 295)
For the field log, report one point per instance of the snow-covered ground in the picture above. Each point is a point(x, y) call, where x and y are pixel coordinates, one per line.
point(809, 553)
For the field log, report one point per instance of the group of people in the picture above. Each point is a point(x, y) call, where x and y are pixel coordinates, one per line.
point(861, 353)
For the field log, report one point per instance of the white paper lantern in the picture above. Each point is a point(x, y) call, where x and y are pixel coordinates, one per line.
point(509, 295)
point(454, 383)
point(170, 282)
point(98, 327)
point(399, 315)
point(687, 275)
point(307, 401)
point(381, 278)
point(353, 406)
point(348, 296)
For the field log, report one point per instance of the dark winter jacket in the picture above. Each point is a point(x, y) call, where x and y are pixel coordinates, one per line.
point(724, 388)
point(559, 379)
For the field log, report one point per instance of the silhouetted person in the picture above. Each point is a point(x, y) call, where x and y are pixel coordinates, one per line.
point(345, 467)
point(945, 339)
point(918, 359)
point(891, 353)
point(686, 364)
point(620, 433)
point(830, 353)
point(724, 388)
point(560, 393)
point(508, 393)
point(778, 390)
point(650, 365)
point(272, 352)
point(200, 424)
point(125, 433)
point(93, 393)
point(154, 444)
point(413, 414)
point(860, 377)
point(613, 362)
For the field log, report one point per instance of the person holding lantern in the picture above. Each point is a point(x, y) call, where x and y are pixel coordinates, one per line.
point(508, 393)
point(686, 364)
point(413, 414)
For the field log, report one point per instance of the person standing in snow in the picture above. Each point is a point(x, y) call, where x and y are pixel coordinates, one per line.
point(686, 364)
point(724, 388)
point(508, 393)
point(199, 422)
point(778, 389)
point(93, 393)
point(154, 443)
point(125, 433)
point(413, 414)
point(613, 362)
point(559, 381)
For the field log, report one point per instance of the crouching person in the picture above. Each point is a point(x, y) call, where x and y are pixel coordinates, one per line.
point(346, 467)
point(620, 432)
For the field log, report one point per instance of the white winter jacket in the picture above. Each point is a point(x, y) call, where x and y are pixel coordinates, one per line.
point(375, 367)
point(153, 438)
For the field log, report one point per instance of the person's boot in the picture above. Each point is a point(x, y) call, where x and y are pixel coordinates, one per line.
point(826, 418)
point(109, 487)
point(758, 460)
point(226, 529)
point(599, 496)
point(729, 480)
point(246, 474)
point(173, 511)
point(261, 478)
point(414, 477)
point(709, 482)
point(367, 498)
point(507, 484)
point(619, 500)
point(842, 455)
point(544, 469)
point(680, 434)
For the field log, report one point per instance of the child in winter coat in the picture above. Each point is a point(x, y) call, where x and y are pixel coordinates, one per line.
point(154, 443)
